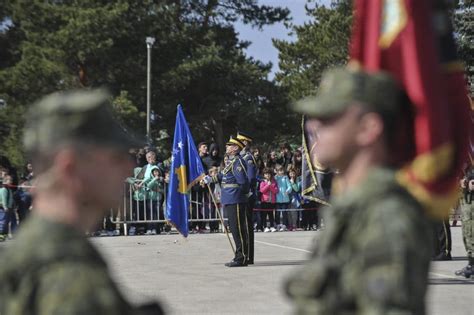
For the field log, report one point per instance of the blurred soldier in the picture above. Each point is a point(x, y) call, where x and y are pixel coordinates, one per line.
point(234, 189)
point(467, 217)
point(442, 240)
point(373, 257)
point(252, 174)
point(80, 157)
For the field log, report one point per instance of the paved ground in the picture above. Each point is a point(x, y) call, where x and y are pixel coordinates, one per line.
point(189, 276)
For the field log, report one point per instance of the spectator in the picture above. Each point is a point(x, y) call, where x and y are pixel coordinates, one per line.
point(142, 176)
point(269, 190)
point(23, 200)
point(140, 158)
point(286, 156)
point(216, 190)
point(295, 198)
point(309, 215)
point(283, 198)
point(28, 173)
point(7, 206)
point(199, 196)
point(297, 160)
point(154, 200)
point(214, 155)
point(203, 151)
point(258, 158)
point(271, 161)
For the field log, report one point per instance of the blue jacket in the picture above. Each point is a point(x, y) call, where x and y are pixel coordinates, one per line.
point(252, 171)
point(284, 189)
point(234, 182)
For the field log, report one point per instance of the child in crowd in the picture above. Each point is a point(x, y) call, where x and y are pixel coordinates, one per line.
point(295, 198)
point(269, 190)
point(7, 211)
point(282, 198)
point(154, 200)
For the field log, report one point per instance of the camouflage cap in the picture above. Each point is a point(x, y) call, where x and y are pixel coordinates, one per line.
point(74, 116)
point(341, 87)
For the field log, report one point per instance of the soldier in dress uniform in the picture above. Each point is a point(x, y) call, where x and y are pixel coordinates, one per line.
point(234, 189)
point(252, 173)
point(80, 156)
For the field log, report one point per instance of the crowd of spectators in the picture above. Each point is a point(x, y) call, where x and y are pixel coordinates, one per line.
point(279, 205)
point(15, 196)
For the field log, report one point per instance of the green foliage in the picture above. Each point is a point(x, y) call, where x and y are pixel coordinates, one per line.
point(11, 125)
point(197, 61)
point(464, 28)
point(320, 44)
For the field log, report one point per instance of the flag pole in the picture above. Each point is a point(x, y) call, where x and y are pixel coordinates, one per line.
point(220, 217)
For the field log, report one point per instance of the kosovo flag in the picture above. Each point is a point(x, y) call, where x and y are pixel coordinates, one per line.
point(186, 170)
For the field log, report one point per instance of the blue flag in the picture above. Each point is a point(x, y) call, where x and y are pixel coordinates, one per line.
point(186, 170)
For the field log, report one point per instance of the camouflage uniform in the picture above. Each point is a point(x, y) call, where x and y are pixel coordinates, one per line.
point(354, 269)
point(52, 268)
point(374, 255)
point(467, 218)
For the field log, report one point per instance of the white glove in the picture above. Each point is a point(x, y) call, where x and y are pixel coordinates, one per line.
point(207, 179)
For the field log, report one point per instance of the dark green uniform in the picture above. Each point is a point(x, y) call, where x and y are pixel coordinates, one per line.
point(53, 269)
point(467, 218)
point(372, 258)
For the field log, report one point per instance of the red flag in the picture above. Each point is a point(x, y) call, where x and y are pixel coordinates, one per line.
point(413, 40)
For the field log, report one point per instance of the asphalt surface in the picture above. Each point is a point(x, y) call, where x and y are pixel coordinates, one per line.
point(189, 276)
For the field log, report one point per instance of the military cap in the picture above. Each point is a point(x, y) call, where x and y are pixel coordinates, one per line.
point(244, 137)
point(341, 87)
point(233, 141)
point(74, 116)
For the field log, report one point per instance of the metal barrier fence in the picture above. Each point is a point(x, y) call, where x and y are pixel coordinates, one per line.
point(140, 207)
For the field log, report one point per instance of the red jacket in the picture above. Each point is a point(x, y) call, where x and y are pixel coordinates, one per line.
point(269, 191)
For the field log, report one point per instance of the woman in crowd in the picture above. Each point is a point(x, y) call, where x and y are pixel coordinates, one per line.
point(297, 160)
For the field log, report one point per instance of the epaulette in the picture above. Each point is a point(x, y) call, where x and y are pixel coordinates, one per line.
point(243, 166)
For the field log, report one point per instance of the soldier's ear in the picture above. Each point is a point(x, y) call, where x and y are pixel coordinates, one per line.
point(370, 129)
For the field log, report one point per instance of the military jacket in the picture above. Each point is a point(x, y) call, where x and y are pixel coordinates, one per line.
point(53, 269)
point(234, 182)
point(372, 258)
point(251, 167)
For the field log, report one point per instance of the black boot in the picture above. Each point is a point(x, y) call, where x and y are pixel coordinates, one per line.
point(465, 272)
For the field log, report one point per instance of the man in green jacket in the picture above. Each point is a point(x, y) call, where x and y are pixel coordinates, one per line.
point(374, 255)
point(80, 155)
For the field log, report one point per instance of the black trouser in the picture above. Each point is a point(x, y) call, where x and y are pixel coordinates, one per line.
point(264, 213)
point(249, 211)
point(198, 209)
point(236, 214)
point(310, 217)
point(442, 237)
